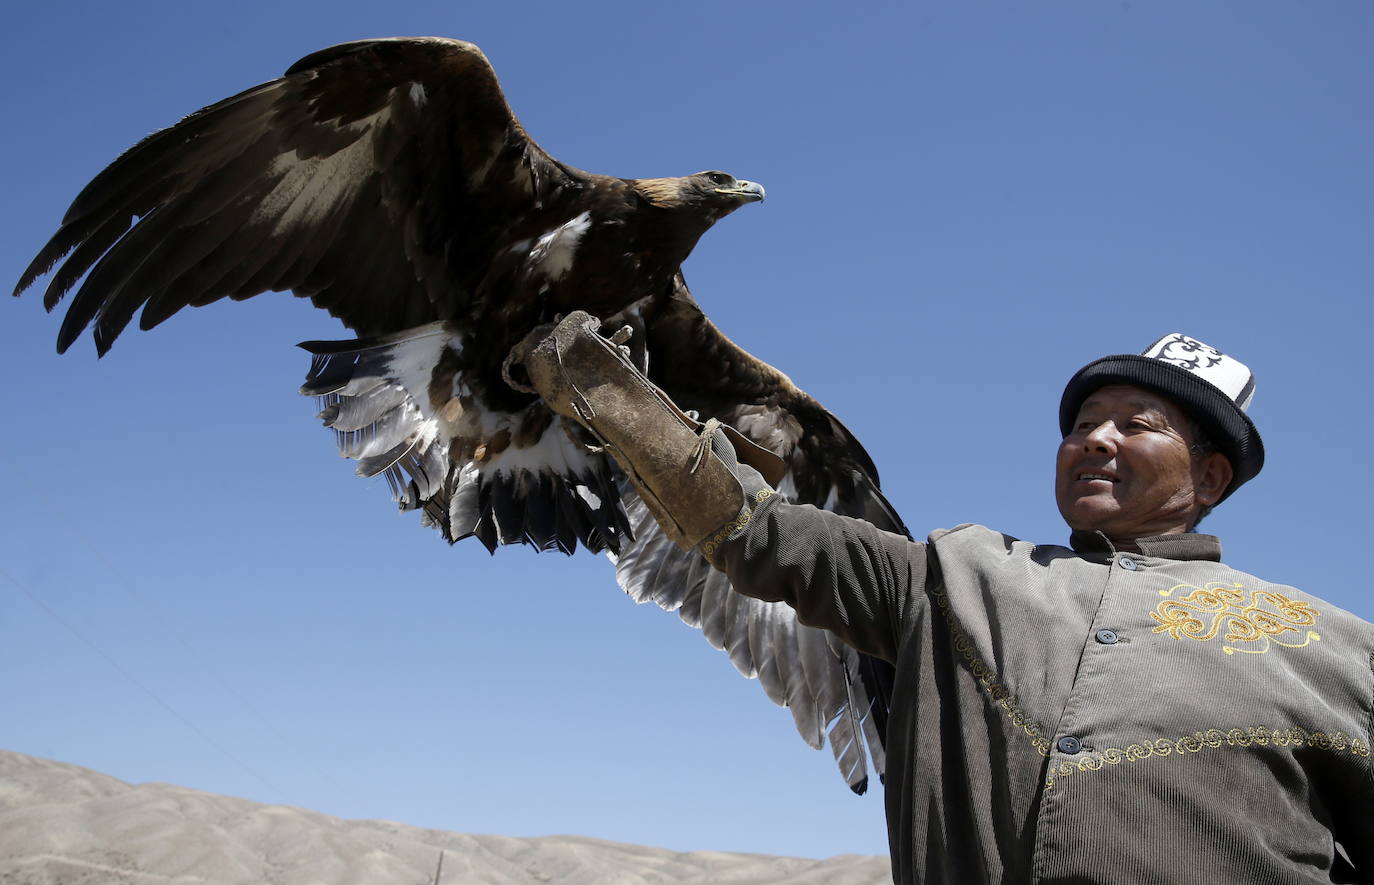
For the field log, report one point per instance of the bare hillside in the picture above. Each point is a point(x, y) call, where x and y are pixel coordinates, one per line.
point(64, 824)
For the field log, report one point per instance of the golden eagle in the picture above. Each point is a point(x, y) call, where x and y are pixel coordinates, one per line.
point(388, 182)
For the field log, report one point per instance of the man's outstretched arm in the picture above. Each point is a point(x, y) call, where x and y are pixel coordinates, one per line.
point(706, 486)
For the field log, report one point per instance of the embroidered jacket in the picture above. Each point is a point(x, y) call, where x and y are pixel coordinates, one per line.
point(1078, 715)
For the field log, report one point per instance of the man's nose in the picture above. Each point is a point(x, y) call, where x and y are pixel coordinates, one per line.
point(1102, 438)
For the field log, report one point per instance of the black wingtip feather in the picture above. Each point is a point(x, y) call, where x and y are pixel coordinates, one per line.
point(57, 247)
point(570, 524)
point(328, 373)
point(506, 510)
point(486, 533)
point(539, 513)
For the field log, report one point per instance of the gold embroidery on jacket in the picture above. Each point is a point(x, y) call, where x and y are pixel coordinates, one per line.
point(1250, 624)
point(1212, 739)
point(734, 525)
point(999, 693)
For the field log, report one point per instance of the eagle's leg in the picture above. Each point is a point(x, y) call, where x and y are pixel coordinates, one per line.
point(689, 475)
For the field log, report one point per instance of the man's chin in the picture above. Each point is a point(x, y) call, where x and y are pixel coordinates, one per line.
point(1091, 516)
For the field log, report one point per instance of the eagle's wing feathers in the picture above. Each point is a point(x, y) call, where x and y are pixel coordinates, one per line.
point(817, 678)
point(826, 464)
point(375, 178)
point(829, 687)
point(760, 637)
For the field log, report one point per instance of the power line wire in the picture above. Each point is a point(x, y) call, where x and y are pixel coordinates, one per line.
point(119, 668)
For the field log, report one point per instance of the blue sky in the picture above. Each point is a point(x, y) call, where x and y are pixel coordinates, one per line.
point(967, 201)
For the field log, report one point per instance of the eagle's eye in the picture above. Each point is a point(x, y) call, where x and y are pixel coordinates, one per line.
point(719, 178)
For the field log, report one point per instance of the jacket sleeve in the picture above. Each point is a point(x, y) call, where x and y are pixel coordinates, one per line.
point(840, 574)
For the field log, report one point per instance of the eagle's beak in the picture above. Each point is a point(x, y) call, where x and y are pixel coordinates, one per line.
point(747, 191)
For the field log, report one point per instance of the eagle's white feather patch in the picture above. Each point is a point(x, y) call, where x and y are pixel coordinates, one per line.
point(412, 360)
point(410, 365)
point(553, 252)
point(554, 452)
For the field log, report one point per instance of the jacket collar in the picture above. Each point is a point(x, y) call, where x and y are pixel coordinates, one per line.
point(1183, 546)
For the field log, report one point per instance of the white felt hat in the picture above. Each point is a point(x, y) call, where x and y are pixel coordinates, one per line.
point(1213, 388)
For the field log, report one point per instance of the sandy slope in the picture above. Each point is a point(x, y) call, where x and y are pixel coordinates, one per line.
point(63, 824)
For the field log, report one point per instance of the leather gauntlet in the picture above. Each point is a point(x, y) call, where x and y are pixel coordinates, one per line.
point(687, 473)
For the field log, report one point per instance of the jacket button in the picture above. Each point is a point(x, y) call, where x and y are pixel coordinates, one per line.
point(1069, 745)
point(1107, 637)
point(1127, 563)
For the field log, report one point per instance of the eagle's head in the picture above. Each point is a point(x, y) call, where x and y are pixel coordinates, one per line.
point(712, 194)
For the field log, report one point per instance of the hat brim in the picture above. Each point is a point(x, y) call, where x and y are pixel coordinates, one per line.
point(1228, 426)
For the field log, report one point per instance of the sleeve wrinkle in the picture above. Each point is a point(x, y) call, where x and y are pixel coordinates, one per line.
point(839, 574)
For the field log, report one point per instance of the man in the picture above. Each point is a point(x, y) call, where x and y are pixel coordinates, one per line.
point(1127, 709)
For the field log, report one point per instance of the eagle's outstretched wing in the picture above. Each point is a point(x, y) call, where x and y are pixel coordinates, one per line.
point(544, 483)
point(376, 178)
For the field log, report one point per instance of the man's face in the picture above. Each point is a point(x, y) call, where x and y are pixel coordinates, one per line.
point(1126, 468)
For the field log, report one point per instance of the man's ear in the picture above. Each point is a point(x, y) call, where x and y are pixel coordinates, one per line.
point(1211, 476)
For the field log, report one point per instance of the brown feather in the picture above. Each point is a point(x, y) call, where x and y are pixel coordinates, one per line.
point(665, 193)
